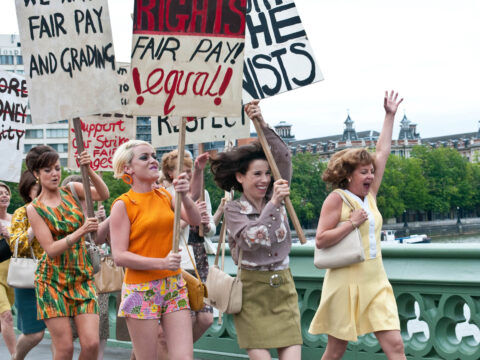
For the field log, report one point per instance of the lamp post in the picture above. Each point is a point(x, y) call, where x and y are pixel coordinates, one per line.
point(458, 216)
point(405, 225)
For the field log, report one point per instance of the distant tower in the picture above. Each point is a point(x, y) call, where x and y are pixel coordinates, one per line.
point(284, 129)
point(478, 133)
point(408, 130)
point(349, 133)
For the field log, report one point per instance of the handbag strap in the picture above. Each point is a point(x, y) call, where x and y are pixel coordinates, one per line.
point(221, 240)
point(15, 252)
point(344, 198)
point(191, 259)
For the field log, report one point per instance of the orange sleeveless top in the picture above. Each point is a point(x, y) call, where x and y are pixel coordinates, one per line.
point(151, 231)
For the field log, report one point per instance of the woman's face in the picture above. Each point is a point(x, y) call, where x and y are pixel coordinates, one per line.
point(4, 197)
point(34, 191)
point(256, 180)
point(361, 180)
point(186, 169)
point(50, 176)
point(144, 164)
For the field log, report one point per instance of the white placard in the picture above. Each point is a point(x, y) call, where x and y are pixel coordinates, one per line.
point(202, 130)
point(278, 55)
point(69, 58)
point(187, 58)
point(102, 135)
point(13, 115)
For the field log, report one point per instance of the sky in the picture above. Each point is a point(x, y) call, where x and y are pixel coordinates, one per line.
point(427, 50)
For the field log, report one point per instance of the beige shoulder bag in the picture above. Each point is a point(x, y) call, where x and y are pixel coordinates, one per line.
point(224, 291)
point(347, 251)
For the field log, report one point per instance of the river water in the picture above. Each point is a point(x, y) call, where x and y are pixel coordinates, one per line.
point(457, 239)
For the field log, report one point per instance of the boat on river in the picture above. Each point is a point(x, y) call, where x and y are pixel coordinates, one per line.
point(389, 236)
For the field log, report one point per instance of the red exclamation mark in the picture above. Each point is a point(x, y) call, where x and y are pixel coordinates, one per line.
point(136, 84)
point(223, 87)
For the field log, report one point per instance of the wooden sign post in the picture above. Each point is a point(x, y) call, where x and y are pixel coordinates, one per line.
point(84, 170)
point(178, 196)
point(277, 176)
point(201, 150)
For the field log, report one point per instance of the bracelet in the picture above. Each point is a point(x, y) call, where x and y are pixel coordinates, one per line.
point(353, 225)
point(67, 240)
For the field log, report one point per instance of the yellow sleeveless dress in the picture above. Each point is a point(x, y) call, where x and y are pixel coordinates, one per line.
point(358, 299)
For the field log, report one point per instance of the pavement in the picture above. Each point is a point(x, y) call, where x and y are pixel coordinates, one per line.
point(42, 351)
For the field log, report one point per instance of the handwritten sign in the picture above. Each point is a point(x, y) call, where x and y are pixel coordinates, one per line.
point(187, 57)
point(13, 115)
point(278, 55)
point(102, 135)
point(165, 130)
point(69, 58)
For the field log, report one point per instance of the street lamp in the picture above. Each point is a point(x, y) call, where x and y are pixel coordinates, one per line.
point(458, 216)
point(405, 225)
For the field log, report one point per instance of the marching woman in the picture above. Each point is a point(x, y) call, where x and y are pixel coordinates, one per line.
point(358, 299)
point(141, 228)
point(25, 301)
point(257, 224)
point(6, 292)
point(64, 278)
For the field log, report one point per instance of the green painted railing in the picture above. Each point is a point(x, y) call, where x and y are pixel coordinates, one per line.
point(437, 288)
point(435, 285)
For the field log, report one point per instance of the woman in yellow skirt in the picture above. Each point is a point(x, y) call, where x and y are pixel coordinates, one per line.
point(358, 299)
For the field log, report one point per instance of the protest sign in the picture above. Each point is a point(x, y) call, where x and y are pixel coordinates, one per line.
point(278, 55)
point(123, 72)
point(13, 115)
point(69, 58)
point(187, 57)
point(165, 131)
point(102, 135)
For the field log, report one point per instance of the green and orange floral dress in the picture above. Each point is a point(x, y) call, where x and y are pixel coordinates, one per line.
point(64, 284)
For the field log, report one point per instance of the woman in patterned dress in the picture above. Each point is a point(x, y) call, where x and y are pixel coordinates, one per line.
point(358, 299)
point(64, 278)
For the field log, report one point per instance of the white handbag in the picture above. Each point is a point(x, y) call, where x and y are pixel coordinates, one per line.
point(347, 251)
point(21, 271)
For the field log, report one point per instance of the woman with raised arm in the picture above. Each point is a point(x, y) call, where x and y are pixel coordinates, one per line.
point(141, 228)
point(358, 299)
point(64, 278)
point(257, 224)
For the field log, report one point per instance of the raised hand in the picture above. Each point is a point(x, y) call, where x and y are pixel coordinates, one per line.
point(201, 161)
point(254, 112)
point(84, 158)
point(390, 102)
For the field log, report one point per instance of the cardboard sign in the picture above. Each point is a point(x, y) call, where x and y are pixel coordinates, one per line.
point(187, 57)
point(69, 58)
point(102, 135)
point(123, 72)
point(165, 130)
point(13, 115)
point(278, 56)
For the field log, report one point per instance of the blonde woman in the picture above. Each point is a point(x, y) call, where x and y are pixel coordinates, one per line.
point(141, 229)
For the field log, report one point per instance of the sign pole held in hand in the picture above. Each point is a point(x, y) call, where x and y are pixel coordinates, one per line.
point(201, 150)
point(277, 176)
point(178, 196)
point(84, 170)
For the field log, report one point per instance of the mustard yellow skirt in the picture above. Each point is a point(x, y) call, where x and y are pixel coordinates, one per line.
point(270, 317)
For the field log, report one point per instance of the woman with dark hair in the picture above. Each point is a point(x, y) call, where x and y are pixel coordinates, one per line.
point(64, 277)
point(6, 292)
point(25, 301)
point(357, 299)
point(257, 225)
